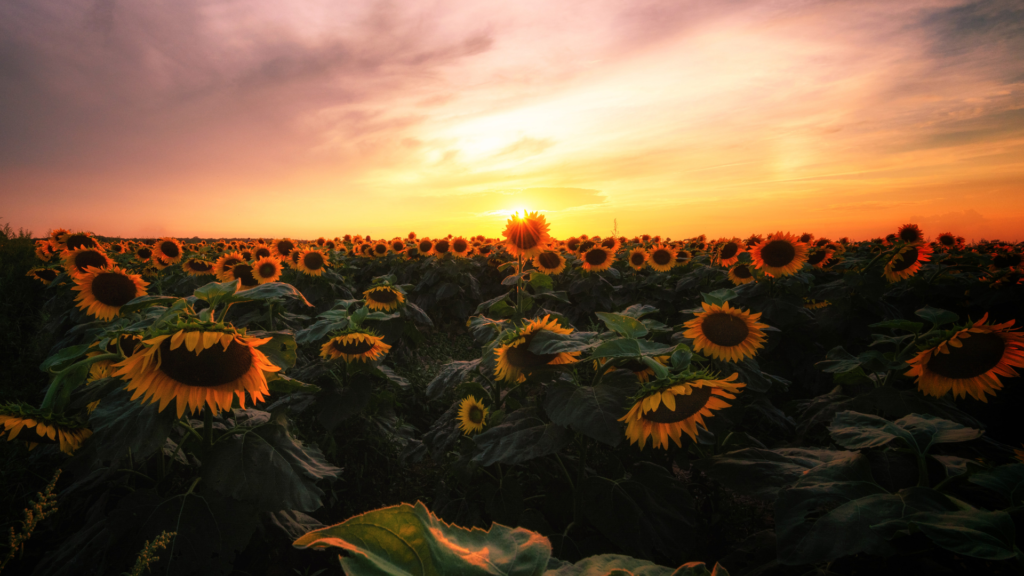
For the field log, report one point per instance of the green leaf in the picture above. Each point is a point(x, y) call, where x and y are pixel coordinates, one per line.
point(281, 384)
point(720, 296)
point(417, 314)
point(631, 348)
point(521, 437)
point(905, 325)
point(557, 295)
point(359, 316)
point(273, 291)
point(762, 473)
point(974, 533)
point(451, 375)
point(120, 426)
point(143, 302)
point(217, 293)
point(919, 432)
point(488, 304)
point(541, 282)
point(281, 348)
point(649, 511)
point(1007, 481)
point(336, 406)
point(548, 342)
point(838, 360)
point(269, 468)
point(937, 316)
point(606, 564)
point(66, 357)
point(660, 370)
point(590, 410)
point(410, 540)
point(638, 311)
point(624, 325)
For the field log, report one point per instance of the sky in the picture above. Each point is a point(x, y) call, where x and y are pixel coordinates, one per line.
point(263, 118)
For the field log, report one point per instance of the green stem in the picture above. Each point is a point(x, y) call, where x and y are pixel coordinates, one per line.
point(207, 430)
point(922, 471)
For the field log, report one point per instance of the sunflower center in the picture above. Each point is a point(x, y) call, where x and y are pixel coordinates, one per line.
point(285, 247)
point(907, 259)
point(356, 348)
point(521, 357)
point(144, 253)
point(979, 354)
point(267, 270)
point(380, 249)
point(442, 246)
point(76, 241)
point(729, 250)
point(313, 261)
point(910, 235)
point(170, 249)
point(243, 273)
point(383, 296)
point(89, 258)
point(548, 260)
point(686, 406)
point(778, 253)
point(425, 246)
point(608, 243)
point(525, 235)
point(596, 257)
point(398, 246)
point(636, 259)
point(661, 257)
point(572, 245)
point(460, 245)
point(476, 415)
point(199, 266)
point(113, 289)
point(947, 240)
point(817, 257)
point(213, 366)
point(741, 272)
point(128, 345)
point(47, 274)
point(724, 329)
point(262, 252)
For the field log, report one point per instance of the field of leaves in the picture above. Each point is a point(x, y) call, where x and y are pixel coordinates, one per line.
point(774, 405)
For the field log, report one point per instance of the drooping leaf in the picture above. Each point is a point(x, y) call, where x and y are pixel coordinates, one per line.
point(631, 348)
point(522, 436)
point(918, 432)
point(762, 473)
point(268, 468)
point(143, 302)
point(548, 342)
point(217, 292)
point(638, 311)
point(590, 410)
point(625, 326)
point(410, 540)
point(974, 533)
point(937, 316)
point(281, 384)
point(451, 375)
point(606, 564)
point(1007, 481)
point(281, 348)
point(120, 425)
point(720, 296)
point(273, 291)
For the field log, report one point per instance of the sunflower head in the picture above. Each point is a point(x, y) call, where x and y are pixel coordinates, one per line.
point(726, 333)
point(35, 427)
point(197, 364)
point(780, 255)
point(44, 275)
point(77, 240)
point(397, 245)
point(661, 257)
point(728, 251)
point(461, 248)
point(245, 274)
point(197, 267)
point(102, 291)
point(596, 258)
point(526, 236)
point(820, 257)
point(907, 261)
point(355, 346)
point(384, 297)
point(637, 258)
point(267, 269)
point(740, 273)
point(514, 359)
point(168, 250)
point(472, 415)
point(283, 247)
point(442, 247)
point(969, 360)
point(549, 262)
point(664, 409)
point(910, 234)
point(77, 261)
point(311, 262)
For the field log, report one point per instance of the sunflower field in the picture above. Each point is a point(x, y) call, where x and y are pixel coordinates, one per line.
point(775, 405)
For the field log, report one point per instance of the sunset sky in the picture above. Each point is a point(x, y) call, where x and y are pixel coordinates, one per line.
point(302, 119)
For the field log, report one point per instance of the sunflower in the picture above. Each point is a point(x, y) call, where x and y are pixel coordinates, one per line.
point(30, 424)
point(77, 241)
point(245, 275)
point(572, 244)
point(910, 234)
point(379, 249)
point(56, 233)
point(355, 347)
point(144, 253)
point(812, 304)
point(667, 413)
point(77, 261)
point(806, 238)
point(283, 247)
point(222, 267)
point(637, 258)
point(819, 257)
point(102, 291)
point(461, 248)
point(124, 344)
point(907, 261)
point(197, 267)
point(611, 243)
point(970, 361)
point(472, 415)
point(549, 262)
point(45, 250)
point(726, 333)
point(947, 240)
point(682, 257)
point(383, 298)
point(168, 250)
point(311, 262)
point(662, 258)
point(263, 251)
point(197, 366)
point(267, 269)
point(398, 245)
point(740, 274)
point(442, 247)
point(779, 255)
point(729, 251)
point(597, 258)
point(117, 248)
point(44, 275)
point(515, 360)
point(526, 236)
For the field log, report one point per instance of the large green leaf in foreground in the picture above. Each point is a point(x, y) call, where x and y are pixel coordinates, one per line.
point(407, 539)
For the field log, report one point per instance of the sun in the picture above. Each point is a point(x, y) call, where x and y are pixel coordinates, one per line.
point(519, 211)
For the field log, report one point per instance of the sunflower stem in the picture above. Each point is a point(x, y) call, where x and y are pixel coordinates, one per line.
point(207, 430)
point(922, 471)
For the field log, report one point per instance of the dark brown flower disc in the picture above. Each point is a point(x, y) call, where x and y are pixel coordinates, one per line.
point(729, 249)
point(979, 354)
point(89, 258)
point(817, 257)
point(906, 260)
point(686, 406)
point(267, 269)
point(383, 296)
point(113, 289)
point(596, 257)
point(549, 259)
point(778, 253)
point(724, 329)
point(521, 357)
point(354, 348)
point(661, 257)
point(211, 367)
point(742, 271)
point(313, 261)
point(243, 273)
